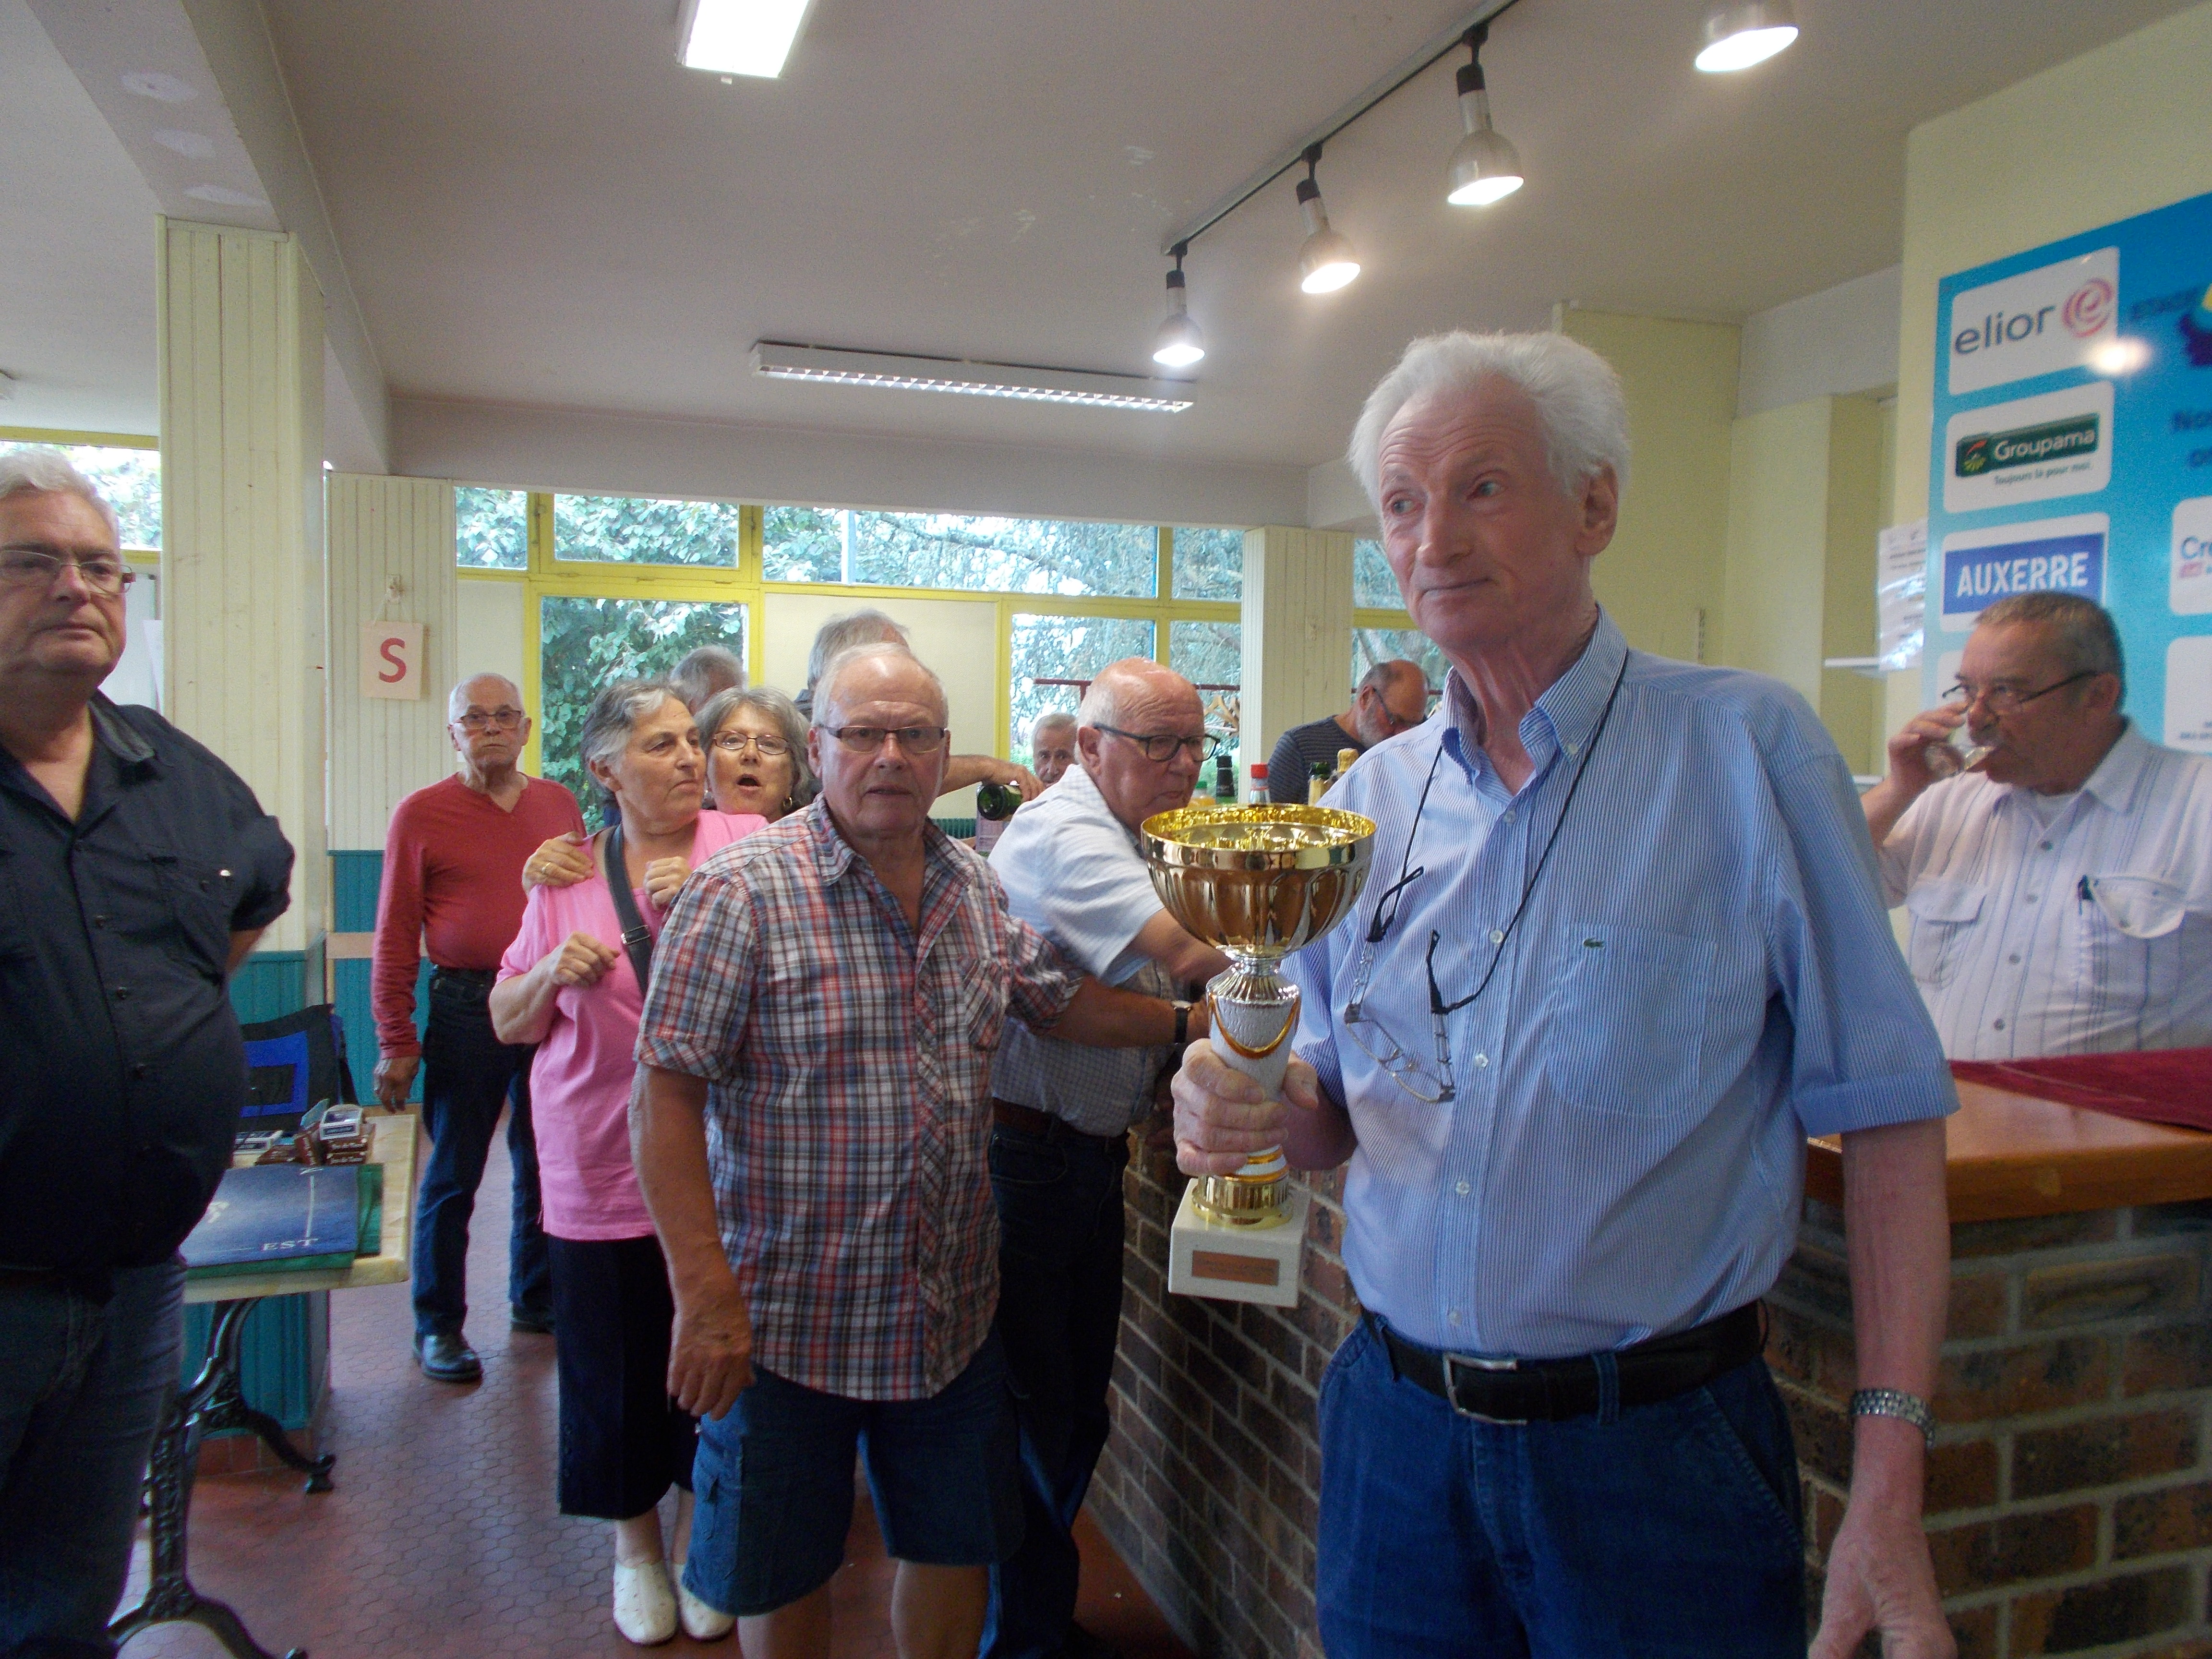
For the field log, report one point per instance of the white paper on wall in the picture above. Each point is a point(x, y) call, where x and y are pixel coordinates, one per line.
point(1901, 593)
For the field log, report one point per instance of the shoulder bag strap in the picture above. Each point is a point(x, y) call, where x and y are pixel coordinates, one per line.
point(637, 939)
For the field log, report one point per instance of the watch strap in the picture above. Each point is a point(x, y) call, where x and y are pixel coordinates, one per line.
point(1182, 1023)
point(1895, 1402)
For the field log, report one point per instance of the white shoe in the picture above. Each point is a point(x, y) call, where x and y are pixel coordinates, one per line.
point(644, 1606)
point(702, 1621)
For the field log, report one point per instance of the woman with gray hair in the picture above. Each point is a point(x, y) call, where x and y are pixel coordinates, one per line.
point(573, 983)
point(756, 743)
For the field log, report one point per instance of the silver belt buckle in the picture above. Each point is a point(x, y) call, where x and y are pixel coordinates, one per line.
point(1452, 1387)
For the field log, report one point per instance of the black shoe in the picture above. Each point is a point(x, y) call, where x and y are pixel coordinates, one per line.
point(446, 1357)
point(1080, 1643)
point(538, 1321)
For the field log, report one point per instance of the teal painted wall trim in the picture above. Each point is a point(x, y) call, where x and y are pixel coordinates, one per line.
point(355, 876)
point(270, 983)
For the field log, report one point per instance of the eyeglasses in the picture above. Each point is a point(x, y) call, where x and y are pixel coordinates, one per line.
point(29, 567)
point(869, 740)
point(2004, 699)
point(1162, 746)
point(736, 743)
point(500, 720)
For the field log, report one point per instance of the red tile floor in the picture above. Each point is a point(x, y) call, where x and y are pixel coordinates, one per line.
point(442, 1541)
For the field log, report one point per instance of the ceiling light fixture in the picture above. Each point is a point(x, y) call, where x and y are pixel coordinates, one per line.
point(1180, 343)
point(1741, 33)
point(780, 359)
point(739, 36)
point(1485, 167)
point(1327, 261)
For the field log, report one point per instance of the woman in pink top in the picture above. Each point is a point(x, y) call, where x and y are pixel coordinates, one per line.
point(568, 985)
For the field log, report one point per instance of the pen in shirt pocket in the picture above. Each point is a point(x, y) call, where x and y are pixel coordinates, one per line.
point(2082, 893)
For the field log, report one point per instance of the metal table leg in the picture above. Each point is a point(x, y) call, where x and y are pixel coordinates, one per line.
point(212, 1401)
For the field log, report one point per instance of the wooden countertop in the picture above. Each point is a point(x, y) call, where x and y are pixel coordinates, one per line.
point(2013, 1155)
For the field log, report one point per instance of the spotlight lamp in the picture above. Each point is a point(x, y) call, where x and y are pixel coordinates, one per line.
point(1180, 342)
point(1741, 33)
point(1485, 167)
point(1326, 261)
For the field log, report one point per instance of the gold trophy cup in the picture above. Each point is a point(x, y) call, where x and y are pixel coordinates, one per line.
point(1257, 883)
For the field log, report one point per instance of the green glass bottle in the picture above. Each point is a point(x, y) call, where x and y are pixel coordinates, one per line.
point(994, 806)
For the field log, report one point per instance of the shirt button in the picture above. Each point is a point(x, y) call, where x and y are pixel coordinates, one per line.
point(1462, 1189)
point(100, 921)
point(1497, 936)
point(142, 1070)
point(2013, 958)
point(123, 994)
point(2046, 847)
point(1452, 1318)
point(2031, 898)
point(1481, 1061)
point(1999, 1024)
point(1506, 817)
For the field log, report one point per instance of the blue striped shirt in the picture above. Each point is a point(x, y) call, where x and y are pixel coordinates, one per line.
point(1703, 976)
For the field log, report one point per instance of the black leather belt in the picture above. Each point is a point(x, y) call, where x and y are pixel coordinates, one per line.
point(1027, 1120)
point(1515, 1391)
point(474, 981)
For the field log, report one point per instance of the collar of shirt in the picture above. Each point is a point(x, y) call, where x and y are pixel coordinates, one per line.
point(2114, 785)
point(1081, 800)
point(1561, 721)
point(943, 879)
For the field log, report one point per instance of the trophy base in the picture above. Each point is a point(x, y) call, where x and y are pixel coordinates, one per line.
point(1230, 1262)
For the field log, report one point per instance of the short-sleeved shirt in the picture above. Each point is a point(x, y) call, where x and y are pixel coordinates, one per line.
point(123, 1068)
point(847, 1055)
point(580, 1080)
point(2063, 925)
point(1702, 976)
point(1299, 750)
point(1074, 871)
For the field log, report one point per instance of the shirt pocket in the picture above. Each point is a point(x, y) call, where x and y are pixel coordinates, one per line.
point(2131, 938)
point(979, 1009)
point(202, 896)
point(1624, 1024)
point(1943, 916)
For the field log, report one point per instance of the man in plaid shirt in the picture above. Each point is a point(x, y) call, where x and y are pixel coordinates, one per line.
point(810, 1129)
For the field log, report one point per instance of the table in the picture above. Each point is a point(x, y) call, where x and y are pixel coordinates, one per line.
point(214, 1401)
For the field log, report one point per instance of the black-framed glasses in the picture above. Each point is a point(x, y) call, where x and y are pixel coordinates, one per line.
point(912, 739)
point(31, 567)
point(2004, 699)
point(498, 719)
point(735, 743)
point(1162, 746)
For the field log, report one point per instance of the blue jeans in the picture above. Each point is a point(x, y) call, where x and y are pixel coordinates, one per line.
point(82, 1387)
point(1663, 1529)
point(468, 1074)
point(1060, 1312)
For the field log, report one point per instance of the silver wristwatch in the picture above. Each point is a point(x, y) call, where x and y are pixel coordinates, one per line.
point(1895, 1402)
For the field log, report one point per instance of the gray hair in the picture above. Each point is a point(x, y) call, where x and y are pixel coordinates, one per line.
point(2088, 642)
point(614, 714)
point(804, 786)
point(706, 671)
point(41, 468)
point(845, 659)
point(1102, 698)
point(1576, 394)
point(457, 700)
point(848, 628)
point(1380, 678)
point(1052, 720)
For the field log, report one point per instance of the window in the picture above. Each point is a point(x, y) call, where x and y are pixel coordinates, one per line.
point(585, 643)
point(1372, 645)
point(1372, 584)
point(491, 528)
point(1211, 656)
point(952, 550)
point(1051, 653)
point(626, 530)
point(130, 481)
point(1209, 564)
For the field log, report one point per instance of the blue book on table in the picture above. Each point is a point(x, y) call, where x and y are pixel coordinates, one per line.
point(280, 1215)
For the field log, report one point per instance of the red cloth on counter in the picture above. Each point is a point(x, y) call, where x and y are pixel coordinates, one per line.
point(2158, 1085)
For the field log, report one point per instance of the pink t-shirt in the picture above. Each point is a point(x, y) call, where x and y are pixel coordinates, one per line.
point(579, 1082)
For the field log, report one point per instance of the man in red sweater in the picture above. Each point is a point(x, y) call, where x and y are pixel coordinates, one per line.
point(453, 885)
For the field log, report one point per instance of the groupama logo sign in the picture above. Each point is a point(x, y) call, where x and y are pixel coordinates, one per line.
point(1985, 451)
point(2038, 322)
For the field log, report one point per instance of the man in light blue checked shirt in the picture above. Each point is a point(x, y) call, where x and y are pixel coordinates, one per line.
point(1622, 950)
point(1073, 868)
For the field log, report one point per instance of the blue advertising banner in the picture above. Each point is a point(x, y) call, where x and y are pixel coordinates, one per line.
point(2073, 452)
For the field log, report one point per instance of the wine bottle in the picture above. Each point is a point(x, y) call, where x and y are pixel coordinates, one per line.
point(994, 808)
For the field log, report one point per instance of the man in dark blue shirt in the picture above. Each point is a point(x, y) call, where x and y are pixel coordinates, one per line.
point(136, 871)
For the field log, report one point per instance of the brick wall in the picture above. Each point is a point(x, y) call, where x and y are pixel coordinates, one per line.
point(1208, 1485)
point(2071, 1488)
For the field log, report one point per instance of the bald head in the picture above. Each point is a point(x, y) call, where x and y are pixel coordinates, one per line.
point(1132, 702)
point(1393, 697)
point(870, 671)
point(484, 691)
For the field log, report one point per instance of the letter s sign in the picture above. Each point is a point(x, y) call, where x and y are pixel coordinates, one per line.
point(392, 653)
point(391, 660)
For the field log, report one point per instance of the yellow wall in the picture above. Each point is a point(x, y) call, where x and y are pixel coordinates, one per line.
point(1664, 567)
point(2108, 135)
point(1775, 576)
point(1849, 702)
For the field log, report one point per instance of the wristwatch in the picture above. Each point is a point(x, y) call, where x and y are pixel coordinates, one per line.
point(1182, 1024)
point(1895, 1402)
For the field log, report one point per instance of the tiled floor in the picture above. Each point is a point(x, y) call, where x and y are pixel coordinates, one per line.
point(442, 1541)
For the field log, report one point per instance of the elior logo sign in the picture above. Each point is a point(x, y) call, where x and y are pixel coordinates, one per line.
point(2089, 307)
point(1993, 451)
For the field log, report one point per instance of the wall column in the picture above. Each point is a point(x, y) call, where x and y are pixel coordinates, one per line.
point(239, 333)
point(1297, 636)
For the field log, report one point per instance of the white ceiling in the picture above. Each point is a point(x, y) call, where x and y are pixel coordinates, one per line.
point(537, 206)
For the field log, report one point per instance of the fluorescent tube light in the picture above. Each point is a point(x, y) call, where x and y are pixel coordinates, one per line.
point(741, 37)
point(890, 371)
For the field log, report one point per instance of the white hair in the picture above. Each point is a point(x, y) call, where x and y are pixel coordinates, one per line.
point(40, 467)
point(844, 661)
point(1576, 394)
point(457, 700)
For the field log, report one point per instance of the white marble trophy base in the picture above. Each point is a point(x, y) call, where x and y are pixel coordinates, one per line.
point(1236, 1264)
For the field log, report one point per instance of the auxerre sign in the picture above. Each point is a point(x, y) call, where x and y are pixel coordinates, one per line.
point(2037, 323)
point(2032, 449)
point(2047, 556)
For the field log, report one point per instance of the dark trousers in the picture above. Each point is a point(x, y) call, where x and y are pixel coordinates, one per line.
point(1660, 1531)
point(468, 1075)
point(1060, 1312)
point(624, 1441)
point(83, 1386)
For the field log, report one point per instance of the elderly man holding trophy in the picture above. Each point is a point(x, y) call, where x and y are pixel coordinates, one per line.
point(1622, 951)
